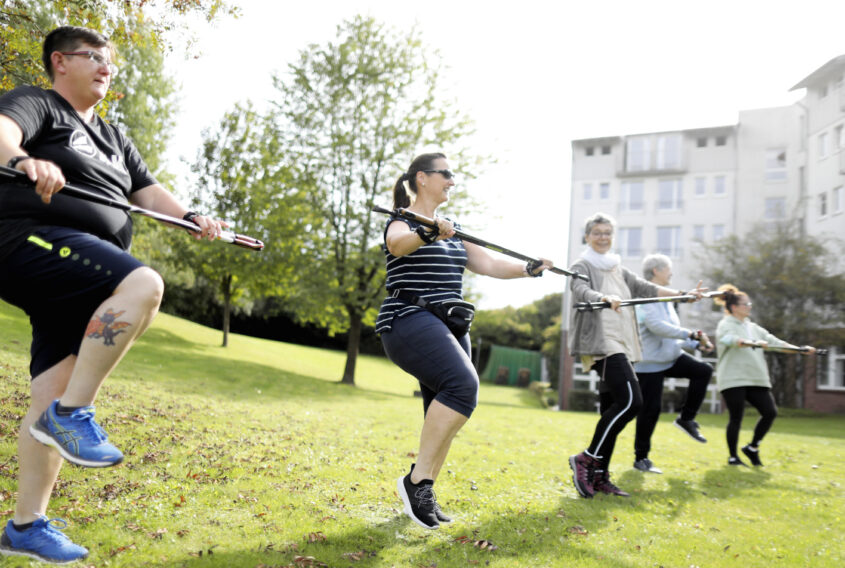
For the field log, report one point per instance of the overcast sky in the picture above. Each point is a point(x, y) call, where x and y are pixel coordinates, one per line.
point(535, 75)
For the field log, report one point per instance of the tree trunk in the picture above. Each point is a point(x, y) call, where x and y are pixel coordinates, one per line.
point(226, 288)
point(352, 348)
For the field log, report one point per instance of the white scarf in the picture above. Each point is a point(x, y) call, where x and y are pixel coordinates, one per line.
point(606, 261)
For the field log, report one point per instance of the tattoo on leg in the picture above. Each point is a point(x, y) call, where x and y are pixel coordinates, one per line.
point(106, 326)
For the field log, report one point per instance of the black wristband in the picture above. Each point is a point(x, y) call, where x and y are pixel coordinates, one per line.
point(531, 266)
point(14, 161)
point(190, 215)
point(428, 237)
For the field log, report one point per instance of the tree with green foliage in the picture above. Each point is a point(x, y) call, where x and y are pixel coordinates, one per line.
point(25, 23)
point(351, 115)
point(241, 179)
point(797, 286)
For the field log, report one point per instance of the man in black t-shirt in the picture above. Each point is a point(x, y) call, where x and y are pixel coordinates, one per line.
point(65, 263)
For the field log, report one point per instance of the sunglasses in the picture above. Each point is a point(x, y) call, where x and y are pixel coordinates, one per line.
point(445, 173)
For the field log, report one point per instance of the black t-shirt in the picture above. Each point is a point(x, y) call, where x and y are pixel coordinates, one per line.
point(95, 156)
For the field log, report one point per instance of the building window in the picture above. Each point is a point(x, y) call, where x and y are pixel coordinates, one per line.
point(834, 378)
point(588, 191)
point(836, 201)
point(775, 208)
point(669, 152)
point(632, 196)
point(776, 164)
point(604, 190)
point(839, 138)
point(669, 195)
point(823, 205)
point(605, 150)
point(669, 241)
point(719, 185)
point(701, 142)
point(721, 140)
point(589, 150)
point(824, 145)
point(698, 233)
point(629, 242)
point(718, 232)
point(823, 91)
point(700, 187)
point(638, 155)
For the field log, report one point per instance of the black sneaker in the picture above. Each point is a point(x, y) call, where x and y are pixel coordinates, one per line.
point(438, 512)
point(646, 465)
point(419, 501)
point(733, 460)
point(691, 428)
point(752, 455)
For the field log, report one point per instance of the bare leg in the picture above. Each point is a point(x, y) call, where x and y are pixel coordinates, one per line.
point(440, 426)
point(136, 300)
point(39, 465)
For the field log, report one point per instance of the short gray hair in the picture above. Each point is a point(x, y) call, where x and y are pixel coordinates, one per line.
point(654, 262)
point(598, 219)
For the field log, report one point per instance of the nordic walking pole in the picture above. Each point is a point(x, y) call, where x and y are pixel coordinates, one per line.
point(788, 349)
point(428, 222)
point(225, 236)
point(591, 306)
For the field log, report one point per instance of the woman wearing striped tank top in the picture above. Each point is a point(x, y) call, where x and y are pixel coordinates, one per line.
point(429, 264)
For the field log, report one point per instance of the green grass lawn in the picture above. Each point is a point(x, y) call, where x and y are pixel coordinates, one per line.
point(254, 455)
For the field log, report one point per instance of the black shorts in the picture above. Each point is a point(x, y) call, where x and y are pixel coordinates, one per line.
point(59, 276)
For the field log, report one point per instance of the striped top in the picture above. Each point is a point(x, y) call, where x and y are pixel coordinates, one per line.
point(433, 272)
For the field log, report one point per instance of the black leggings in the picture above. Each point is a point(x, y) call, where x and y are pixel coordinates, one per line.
point(760, 398)
point(685, 367)
point(619, 402)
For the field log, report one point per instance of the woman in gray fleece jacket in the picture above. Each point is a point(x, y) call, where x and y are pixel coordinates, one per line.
point(608, 343)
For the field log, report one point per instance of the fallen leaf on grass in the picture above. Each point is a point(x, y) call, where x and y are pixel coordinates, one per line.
point(578, 529)
point(182, 532)
point(199, 553)
point(119, 549)
point(308, 561)
point(356, 556)
point(485, 545)
point(158, 533)
point(315, 537)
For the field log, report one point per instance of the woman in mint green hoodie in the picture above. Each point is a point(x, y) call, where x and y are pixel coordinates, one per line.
point(741, 372)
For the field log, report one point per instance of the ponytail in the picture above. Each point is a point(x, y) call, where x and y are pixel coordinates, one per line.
point(400, 194)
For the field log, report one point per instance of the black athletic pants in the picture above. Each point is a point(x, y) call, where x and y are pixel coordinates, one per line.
point(760, 398)
point(619, 402)
point(651, 384)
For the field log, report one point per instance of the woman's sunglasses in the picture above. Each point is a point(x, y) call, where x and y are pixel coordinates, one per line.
point(445, 173)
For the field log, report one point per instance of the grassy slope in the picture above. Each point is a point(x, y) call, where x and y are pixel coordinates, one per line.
point(254, 455)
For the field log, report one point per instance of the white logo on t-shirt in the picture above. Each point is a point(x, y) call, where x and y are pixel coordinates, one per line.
point(80, 142)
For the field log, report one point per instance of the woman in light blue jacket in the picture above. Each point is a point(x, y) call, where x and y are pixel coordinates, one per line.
point(742, 374)
point(664, 342)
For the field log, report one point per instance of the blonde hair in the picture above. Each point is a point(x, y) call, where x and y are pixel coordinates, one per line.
point(730, 298)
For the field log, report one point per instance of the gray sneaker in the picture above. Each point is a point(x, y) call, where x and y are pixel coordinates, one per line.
point(646, 465)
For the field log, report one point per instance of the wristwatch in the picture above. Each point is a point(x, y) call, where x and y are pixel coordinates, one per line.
point(14, 161)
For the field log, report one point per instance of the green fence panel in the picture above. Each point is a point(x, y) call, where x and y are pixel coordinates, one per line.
point(505, 363)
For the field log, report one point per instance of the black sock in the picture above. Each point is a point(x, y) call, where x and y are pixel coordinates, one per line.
point(65, 410)
point(22, 527)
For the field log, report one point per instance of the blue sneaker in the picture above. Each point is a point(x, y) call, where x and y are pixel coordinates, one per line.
point(77, 437)
point(44, 541)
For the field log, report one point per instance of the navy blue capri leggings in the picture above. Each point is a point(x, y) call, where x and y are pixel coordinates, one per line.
point(421, 345)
